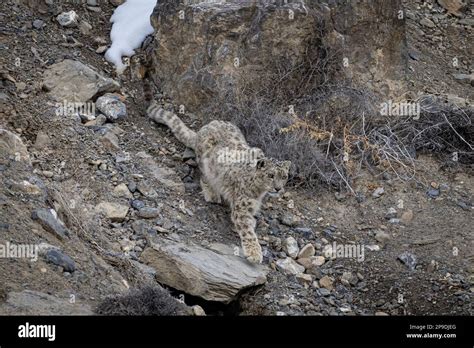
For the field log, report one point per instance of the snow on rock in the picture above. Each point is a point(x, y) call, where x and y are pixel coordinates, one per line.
point(131, 24)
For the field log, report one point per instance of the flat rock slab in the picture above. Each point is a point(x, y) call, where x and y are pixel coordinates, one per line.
point(29, 302)
point(48, 219)
point(72, 81)
point(198, 271)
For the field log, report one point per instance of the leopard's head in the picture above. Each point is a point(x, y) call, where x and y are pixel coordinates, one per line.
point(271, 175)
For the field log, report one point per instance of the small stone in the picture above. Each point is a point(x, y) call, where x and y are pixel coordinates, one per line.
point(68, 19)
point(48, 174)
point(58, 258)
point(380, 314)
point(86, 117)
point(463, 205)
point(114, 211)
point(122, 191)
point(327, 283)
point(137, 204)
point(132, 186)
point(350, 278)
point(414, 55)
point(318, 260)
point(38, 24)
point(452, 6)
point(289, 219)
point(100, 40)
point(147, 190)
point(379, 191)
point(328, 252)
point(468, 22)
point(345, 309)
point(306, 232)
point(290, 246)
point(101, 49)
point(433, 193)
point(198, 311)
point(148, 213)
point(408, 259)
point(92, 3)
point(443, 187)
point(304, 278)
point(305, 262)
point(111, 106)
point(391, 213)
point(110, 141)
point(407, 216)
point(432, 266)
point(426, 22)
point(188, 154)
point(382, 237)
point(289, 266)
point(373, 247)
point(42, 140)
point(307, 251)
point(95, 9)
point(98, 121)
point(324, 292)
point(27, 187)
point(116, 2)
point(85, 28)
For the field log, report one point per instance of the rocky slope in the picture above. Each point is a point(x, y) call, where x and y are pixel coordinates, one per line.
point(114, 202)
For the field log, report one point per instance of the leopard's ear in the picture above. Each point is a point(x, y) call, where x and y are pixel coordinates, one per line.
point(286, 165)
point(261, 163)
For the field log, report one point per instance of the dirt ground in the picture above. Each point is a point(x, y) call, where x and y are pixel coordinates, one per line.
point(437, 229)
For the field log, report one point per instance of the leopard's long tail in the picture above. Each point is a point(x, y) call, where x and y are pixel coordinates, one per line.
point(179, 129)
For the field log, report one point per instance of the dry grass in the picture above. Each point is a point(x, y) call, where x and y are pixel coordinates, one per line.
point(146, 301)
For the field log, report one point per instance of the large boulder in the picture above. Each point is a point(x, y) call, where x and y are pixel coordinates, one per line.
point(204, 48)
point(210, 274)
point(71, 81)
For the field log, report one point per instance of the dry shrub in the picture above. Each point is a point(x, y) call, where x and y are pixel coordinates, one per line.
point(150, 300)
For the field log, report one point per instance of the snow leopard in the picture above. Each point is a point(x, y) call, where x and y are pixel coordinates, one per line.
point(232, 172)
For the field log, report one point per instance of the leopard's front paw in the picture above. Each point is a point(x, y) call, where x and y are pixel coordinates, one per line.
point(253, 253)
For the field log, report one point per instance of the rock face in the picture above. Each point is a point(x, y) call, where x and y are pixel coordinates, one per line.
point(204, 48)
point(72, 81)
point(198, 271)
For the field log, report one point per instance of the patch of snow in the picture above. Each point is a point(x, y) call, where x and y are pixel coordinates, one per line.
point(131, 25)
